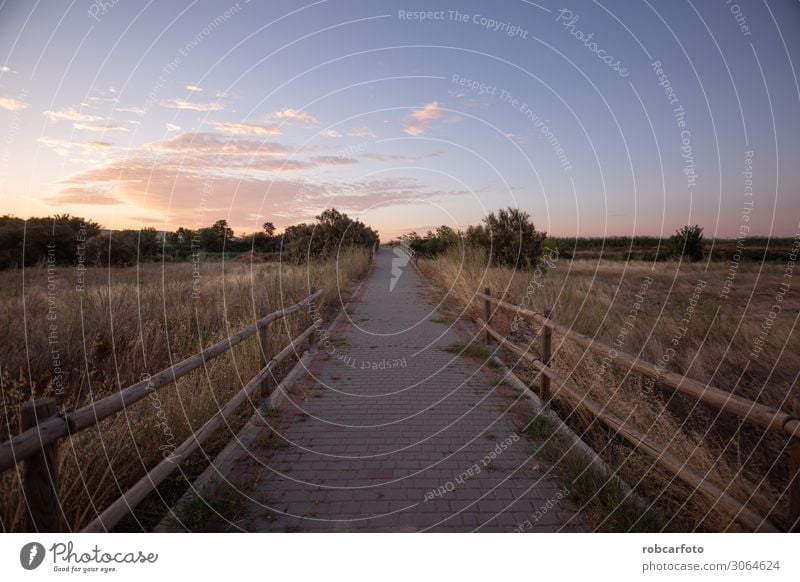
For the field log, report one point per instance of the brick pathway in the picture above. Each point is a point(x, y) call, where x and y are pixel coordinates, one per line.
point(391, 432)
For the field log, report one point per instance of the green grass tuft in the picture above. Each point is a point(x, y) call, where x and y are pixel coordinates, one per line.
point(474, 350)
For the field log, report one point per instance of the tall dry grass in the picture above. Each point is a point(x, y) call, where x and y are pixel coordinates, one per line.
point(124, 324)
point(596, 298)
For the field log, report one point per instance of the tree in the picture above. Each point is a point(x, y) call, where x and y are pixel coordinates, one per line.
point(179, 243)
point(39, 239)
point(687, 243)
point(265, 241)
point(149, 244)
point(213, 238)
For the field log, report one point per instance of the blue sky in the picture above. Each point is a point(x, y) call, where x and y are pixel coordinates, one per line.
point(181, 113)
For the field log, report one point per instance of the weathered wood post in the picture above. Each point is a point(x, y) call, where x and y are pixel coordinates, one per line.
point(40, 482)
point(487, 314)
point(312, 339)
point(263, 342)
point(794, 476)
point(547, 353)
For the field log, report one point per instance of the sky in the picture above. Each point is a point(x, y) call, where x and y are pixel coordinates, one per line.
point(597, 118)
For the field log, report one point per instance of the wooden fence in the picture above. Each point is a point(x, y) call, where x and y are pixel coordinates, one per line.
point(787, 424)
point(43, 427)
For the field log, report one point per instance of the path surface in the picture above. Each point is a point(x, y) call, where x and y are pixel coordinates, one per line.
point(391, 432)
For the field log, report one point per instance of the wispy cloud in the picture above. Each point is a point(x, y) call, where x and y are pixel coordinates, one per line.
point(7, 69)
point(172, 127)
point(400, 157)
point(12, 104)
point(70, 114)
point(296, 115)
point(361, 131)
point(372, 193)
point(246, 128)
point(67, 147)
point(99, 127)
point(96, 195)
point(211, 143)
point(194, 88)
point(179, 103)
point(155, 174)
point(137, 110)
point(418, 121)
point(334, 160)
point(168, 184)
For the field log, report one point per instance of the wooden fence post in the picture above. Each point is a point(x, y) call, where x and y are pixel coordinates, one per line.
point(794, 476)
point(487, 314)
point(40, 484)
point(312, 339)
point(547, 353)
point(263, 341)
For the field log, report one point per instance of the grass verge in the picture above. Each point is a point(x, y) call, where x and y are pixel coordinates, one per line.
point(121, 323)
point(603, 500)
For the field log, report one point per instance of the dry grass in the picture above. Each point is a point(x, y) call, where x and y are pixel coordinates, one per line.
point(595, 298)
point(128, 322)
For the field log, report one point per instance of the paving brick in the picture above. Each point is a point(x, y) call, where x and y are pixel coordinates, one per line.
point(378, 439)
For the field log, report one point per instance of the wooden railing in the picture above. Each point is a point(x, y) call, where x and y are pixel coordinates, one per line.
point(787, 424)
point(43, 428)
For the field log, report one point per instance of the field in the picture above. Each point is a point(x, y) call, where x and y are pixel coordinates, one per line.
point(79, 337)
point(651, 248)
point(677, 315)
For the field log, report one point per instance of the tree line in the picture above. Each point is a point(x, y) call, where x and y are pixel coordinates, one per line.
point(67, 240)
point(510, 239)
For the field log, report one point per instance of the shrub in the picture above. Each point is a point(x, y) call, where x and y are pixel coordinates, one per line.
point(433, 243)
point(104, 250)
point(510, 237)
point(333, 232)
point(687, 243)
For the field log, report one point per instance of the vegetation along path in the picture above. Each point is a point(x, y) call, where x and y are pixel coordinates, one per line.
point(392, 429)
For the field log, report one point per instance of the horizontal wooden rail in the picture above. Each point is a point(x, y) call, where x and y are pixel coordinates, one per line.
point(764, 416)
point(31, 441)
point(125, 504)
point(731, 506)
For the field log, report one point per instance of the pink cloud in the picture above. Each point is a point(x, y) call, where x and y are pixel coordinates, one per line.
point(296, 115)
point(418, 121)
point(245, 128)
point(361, 131)
point(97, 195)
